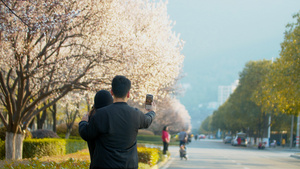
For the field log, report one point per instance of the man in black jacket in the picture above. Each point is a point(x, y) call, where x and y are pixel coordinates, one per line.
point(114, 129)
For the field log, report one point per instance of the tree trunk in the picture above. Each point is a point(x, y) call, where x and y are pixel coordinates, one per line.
point(70, 125)
point(41, 120)
point(265, 125)
point(14, 146)
point(88, 102)
point(68, 133)
point(54, 117)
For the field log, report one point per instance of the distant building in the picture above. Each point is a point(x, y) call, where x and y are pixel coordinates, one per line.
point(225, 91)
point(212, 105)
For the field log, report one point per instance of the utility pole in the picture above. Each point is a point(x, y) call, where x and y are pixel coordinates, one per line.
point(292, 127)
point(298, 130)
point(269, 131)
point(269, 128)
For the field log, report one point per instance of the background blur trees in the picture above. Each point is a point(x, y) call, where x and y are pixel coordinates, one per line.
point(265, 89)
point(239, 112)
point(51, 48)
point(281, 90)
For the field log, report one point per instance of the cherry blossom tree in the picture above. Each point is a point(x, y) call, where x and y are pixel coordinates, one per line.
point(173, 114)
point(53, 48)
point(45, 53)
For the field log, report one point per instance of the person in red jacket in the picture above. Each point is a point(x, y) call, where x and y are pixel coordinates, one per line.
point(166, 139)
point(239, 140)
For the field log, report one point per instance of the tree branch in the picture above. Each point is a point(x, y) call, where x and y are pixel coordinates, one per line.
point(3, 120)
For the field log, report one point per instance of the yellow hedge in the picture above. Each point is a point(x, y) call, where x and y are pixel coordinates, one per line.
point(148, 155)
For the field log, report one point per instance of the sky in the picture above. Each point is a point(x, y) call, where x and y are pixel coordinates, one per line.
point(221, 36)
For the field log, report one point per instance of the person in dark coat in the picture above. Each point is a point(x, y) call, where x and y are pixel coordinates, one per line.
point(114, 129)
point(101, 99)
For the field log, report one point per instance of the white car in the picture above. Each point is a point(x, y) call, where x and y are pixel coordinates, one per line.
point(243, 140)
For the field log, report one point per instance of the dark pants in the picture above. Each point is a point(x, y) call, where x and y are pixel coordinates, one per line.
point(165, 147)
point(181, 142)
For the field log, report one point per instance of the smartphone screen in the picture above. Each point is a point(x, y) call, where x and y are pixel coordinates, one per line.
point(149, 100)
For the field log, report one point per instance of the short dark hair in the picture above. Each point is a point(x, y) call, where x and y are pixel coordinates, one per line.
point(120, 86)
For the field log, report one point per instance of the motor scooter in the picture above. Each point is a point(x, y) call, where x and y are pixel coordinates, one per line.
point(273, 144)
point(261, 145)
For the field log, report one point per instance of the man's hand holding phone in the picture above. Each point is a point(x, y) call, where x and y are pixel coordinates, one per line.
point(149, 104)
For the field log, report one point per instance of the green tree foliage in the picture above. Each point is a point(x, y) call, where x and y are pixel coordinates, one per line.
point(281, 89)
point(239, 112)
point(205, 127)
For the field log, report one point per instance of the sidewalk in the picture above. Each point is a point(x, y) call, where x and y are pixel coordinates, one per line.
point(280, 148)
point(296, 155)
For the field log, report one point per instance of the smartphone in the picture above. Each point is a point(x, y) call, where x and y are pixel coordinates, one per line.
point(149, 100)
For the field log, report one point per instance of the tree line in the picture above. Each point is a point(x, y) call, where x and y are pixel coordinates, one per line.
point(266, 88)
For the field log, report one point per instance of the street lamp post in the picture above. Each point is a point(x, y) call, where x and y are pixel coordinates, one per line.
point(269, 130)
point(298, 128)
point(292, 127)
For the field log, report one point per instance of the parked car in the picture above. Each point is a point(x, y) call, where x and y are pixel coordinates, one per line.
point(227, 139)
point(239, 140)
point(202, 136)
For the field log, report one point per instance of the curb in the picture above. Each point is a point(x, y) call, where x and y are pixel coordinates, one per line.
point(295, 156)
point(158, 165)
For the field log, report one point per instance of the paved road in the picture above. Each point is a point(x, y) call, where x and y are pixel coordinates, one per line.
point(215, 154)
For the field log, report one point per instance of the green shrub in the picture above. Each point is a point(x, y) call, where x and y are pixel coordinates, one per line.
point(2, 133)
point(149, 138)
point(43, 147)
point(51, 146)
point(148, 155)
point(73, 145)
point(2, 150)
point(145, 132)
point(62, 130)
point(36, 164)
point(41, 133)
point(69, 164)
point(70, 137)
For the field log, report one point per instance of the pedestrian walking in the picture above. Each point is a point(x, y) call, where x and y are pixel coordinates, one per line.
point(196, 137)
point(283, 142)
point(182, 137)
point(114, 129)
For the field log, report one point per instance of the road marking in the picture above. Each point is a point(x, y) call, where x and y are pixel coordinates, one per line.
point(168, 164)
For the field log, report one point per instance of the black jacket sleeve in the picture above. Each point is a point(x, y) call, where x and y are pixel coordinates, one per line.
point(146, 119)
point(83, 126)
point(97, 124)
